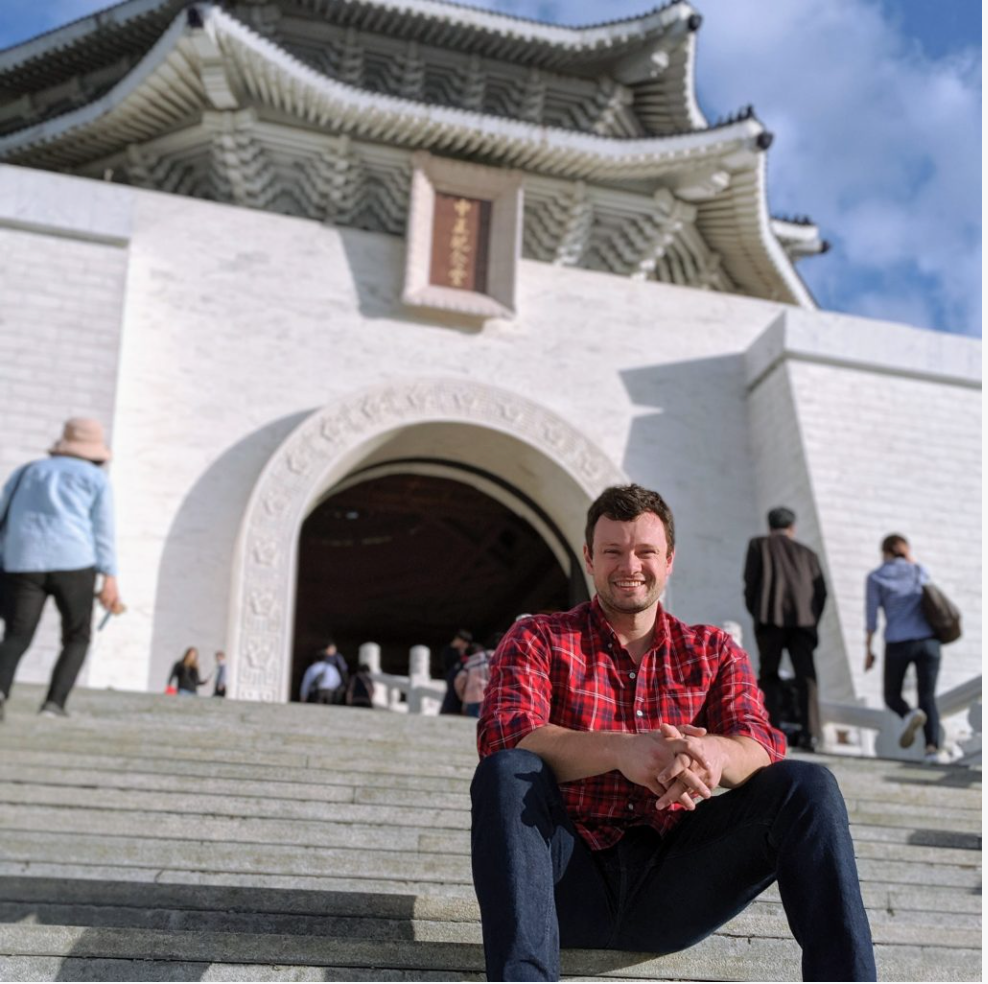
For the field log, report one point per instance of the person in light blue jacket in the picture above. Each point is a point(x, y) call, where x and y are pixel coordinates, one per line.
point(57, 539)
point(897, 588)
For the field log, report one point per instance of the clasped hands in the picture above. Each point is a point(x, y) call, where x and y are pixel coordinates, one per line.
point(680, 765)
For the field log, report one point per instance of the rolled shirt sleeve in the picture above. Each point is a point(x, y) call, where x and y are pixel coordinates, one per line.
point(518, 698)
point(734, 707)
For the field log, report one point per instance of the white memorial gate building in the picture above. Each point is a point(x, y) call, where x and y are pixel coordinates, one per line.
point(375, 296)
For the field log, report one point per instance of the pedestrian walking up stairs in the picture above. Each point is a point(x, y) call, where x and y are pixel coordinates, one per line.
point(161, 838)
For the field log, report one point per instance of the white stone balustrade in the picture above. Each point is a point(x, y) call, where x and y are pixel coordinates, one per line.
point(417, 693)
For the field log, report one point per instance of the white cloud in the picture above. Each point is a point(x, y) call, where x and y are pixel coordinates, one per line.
point(876, 141)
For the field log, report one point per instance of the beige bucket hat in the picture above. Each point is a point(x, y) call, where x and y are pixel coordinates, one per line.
point(82, 437)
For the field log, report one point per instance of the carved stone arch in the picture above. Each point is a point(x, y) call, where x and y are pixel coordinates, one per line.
point(323, 450)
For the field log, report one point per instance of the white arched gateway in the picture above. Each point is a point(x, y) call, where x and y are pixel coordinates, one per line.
point(466, 422)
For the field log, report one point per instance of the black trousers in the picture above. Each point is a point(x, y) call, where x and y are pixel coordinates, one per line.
point(800, 643)
point(24, 597)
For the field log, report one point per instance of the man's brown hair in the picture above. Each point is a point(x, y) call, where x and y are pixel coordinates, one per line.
point(627, 502)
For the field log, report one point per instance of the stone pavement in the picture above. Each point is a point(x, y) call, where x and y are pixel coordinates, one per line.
point(162, 838)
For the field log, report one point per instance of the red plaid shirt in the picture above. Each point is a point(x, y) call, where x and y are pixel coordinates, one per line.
point(570, 670)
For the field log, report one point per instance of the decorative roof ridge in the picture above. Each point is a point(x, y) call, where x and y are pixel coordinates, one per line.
point(47, 129)
point(203, 16)
point(797, 220)
point(799, 233)
point(502, 15)
point(646, 24)
point(13, 56)
point(776, 252)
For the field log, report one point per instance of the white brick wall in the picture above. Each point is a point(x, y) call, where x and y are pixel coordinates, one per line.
point(782, 479)
point(239, 323)
point(886, 455)
point(879, 434)
point(60, 306)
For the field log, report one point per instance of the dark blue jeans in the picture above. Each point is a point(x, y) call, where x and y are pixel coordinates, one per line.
point(540, 887)
point(925, 653)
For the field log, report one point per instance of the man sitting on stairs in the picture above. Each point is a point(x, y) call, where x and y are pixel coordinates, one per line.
point(603, 734)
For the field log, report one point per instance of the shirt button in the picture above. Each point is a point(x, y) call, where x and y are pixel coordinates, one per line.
point(631, 806)
point(639, 713)
point(631, 675)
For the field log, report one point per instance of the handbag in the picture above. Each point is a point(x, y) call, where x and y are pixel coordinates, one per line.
point(942, 614)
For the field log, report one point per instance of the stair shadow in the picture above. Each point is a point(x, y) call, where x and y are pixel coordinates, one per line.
point(958, 840)
point(99, 906)
point(952, 778)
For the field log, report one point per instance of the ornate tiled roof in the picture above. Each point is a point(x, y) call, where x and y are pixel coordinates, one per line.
point(223, 110)
point(624, 77)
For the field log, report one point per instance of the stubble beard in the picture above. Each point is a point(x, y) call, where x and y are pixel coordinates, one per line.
point(610, 604)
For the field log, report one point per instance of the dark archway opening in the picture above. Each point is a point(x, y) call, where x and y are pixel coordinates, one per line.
point(408, 559)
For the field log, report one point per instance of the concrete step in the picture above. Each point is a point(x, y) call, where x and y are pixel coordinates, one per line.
point(717, 958)
point(327, 828)
point(363, 757)
point(118, 768)
point(140, 844)
point(33, 893)
point(938, 804)
point(371, 921)
point(261, 819)
point(149, 838)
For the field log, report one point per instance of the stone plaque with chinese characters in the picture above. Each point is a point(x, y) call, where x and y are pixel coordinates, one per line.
point(460, 242)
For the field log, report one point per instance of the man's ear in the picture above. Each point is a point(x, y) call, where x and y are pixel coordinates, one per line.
point(587, 559)
point(669, 559)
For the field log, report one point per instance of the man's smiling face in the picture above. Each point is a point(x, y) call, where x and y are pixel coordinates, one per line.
point(630, 563)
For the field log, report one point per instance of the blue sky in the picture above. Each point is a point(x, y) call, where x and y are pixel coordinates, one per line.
point(876, 110)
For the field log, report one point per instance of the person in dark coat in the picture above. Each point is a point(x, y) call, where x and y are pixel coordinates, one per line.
point(785, 593)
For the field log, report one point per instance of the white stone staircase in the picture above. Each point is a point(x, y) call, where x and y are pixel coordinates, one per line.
point(164, 838)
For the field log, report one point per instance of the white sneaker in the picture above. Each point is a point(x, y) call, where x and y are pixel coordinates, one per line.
point(937, 756)
point(914, 722)
point(50, 709)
